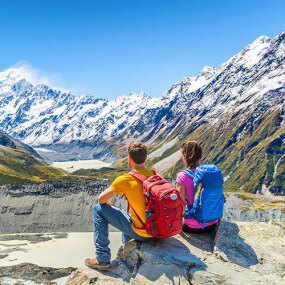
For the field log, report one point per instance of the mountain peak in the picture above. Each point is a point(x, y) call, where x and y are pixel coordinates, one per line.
point(140, 95)
point(208, 72)
point(262, 39)
point(16, 74)
point(251, 54)
point(33, 77)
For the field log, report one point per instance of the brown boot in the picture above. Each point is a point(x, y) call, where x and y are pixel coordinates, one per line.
point(95, 264)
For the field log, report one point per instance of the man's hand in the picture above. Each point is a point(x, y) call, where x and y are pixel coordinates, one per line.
point(106, 195)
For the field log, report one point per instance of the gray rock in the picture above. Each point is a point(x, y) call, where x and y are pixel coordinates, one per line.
point(240, 210)
point(240, 256)
point(38, 274)
point(68, 207)
point(160, 273)
point(231, 247)
point(50, 206)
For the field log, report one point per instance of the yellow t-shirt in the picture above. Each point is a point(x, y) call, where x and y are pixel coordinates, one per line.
point(132, 188)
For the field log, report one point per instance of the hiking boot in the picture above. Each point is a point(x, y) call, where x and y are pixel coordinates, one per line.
point(95, 264)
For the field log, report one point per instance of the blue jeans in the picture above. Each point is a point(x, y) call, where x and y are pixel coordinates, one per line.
point(103, 215)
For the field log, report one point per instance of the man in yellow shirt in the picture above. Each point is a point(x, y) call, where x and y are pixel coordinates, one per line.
point(131, 224)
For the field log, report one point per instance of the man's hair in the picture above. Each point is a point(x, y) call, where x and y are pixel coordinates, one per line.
point(137, 151)
point(192, 152)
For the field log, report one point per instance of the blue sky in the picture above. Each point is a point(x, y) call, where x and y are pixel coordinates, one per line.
point(111, 48)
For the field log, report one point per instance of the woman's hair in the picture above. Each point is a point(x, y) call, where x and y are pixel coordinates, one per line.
point(192, 152)
point(137, 151)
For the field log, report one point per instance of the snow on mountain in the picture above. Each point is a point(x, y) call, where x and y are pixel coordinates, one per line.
point(88, 127)
point(191, 84)
point(40, 115)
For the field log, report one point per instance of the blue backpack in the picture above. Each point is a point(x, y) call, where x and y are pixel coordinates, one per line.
point(209, 198)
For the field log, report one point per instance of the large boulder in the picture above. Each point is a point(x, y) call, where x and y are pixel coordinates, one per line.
point(245, 253)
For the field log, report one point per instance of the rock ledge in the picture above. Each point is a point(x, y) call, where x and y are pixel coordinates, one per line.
point(245, 253)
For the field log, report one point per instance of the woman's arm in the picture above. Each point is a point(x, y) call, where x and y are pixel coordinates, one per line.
point(182, 191)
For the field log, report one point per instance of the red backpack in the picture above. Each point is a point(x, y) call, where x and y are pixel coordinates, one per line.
point(164, 206)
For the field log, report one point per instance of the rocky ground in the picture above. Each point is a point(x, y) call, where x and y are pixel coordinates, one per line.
point(33, 238)
point(246, 253)
point(242, 206)
point(67, 207)
point(34, 273)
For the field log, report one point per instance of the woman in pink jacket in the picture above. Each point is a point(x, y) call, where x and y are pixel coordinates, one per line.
point(191, 155)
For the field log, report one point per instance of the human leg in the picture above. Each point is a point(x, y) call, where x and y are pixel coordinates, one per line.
point(105, 214)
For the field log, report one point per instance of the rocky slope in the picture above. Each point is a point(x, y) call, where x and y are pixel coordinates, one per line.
point(240, 256)
point(236, 111)
point(241, 253)
point(50, 206)
point(68, 207)
point(238, 117)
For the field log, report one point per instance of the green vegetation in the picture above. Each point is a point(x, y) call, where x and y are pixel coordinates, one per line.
point(102, 173)
point(278, 201)
point(249, 161)
point(18, 165)
point(249, 154)
point(244, 197)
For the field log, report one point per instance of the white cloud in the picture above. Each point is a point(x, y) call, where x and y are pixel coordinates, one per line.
point(36, 76)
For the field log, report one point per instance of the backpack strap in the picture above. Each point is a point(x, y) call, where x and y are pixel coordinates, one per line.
point(128, 211)
point(203, 226)
point(189, 172)
point(142, 178)
point(143, 224)
point(138, 175)
point(155, 173)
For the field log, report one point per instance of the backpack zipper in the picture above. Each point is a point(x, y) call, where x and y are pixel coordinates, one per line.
point(201, 197)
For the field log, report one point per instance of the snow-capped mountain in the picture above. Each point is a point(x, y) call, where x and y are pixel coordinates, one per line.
point(247, 86)
point(48, 118)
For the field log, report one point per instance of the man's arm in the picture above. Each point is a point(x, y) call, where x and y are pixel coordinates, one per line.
point(106, 195)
